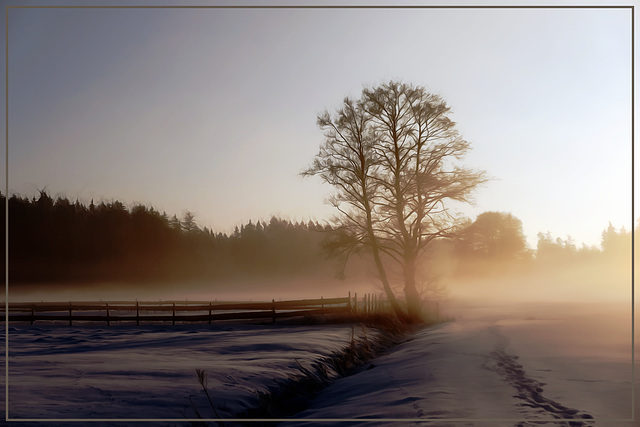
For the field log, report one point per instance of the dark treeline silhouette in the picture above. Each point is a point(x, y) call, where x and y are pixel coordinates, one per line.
point(56, 240)
point(496, 241)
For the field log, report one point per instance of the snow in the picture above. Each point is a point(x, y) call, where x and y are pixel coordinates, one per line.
point(148, 372)
point(496, 364)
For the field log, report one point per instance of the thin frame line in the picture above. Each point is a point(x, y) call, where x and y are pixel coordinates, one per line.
point(633, 346)
point(330, 7)
point(424, 420)
point(308, 7)
point(6, 215)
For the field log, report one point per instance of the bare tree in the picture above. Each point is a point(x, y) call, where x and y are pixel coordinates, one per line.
point(390, 156)
point(346, 161)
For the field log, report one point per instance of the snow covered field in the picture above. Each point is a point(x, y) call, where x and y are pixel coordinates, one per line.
point(495, 365)
point(148, 372)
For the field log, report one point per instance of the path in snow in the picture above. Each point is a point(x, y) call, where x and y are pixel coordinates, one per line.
point(497, 368)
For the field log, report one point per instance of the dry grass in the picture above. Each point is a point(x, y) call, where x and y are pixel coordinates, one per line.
point(377, 333)
point(372, 335)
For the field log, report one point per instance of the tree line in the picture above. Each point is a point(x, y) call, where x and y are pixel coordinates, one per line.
point(56, 240)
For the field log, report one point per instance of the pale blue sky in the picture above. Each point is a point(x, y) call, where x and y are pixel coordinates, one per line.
point(214, 110)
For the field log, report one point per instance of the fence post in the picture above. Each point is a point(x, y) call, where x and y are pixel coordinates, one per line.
point(349, 303)
point(108, 322)
point(273, 309)
point(70, 312)
point(355, 302)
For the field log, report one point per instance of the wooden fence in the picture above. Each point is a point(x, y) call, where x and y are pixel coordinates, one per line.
point(378, 303)
point(370, 303)
point(171, 311)
point(191, 311)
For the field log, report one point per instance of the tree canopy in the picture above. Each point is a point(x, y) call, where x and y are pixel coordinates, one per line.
point(494, 235)
point(391, 156)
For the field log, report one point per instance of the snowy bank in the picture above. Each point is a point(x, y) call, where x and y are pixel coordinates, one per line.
point(496, 366)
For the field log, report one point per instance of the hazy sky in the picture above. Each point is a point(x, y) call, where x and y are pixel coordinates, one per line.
point(214, 110)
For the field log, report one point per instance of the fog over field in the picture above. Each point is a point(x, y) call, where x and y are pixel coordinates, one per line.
point(466, 168)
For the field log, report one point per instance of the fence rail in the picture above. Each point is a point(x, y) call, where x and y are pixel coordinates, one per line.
point(190, 311)
point(170, 311)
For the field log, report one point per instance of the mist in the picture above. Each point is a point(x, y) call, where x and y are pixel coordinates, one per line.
point(233, 290)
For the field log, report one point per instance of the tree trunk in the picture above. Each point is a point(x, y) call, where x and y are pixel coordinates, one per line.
point(414, 305)
point(402, 316)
